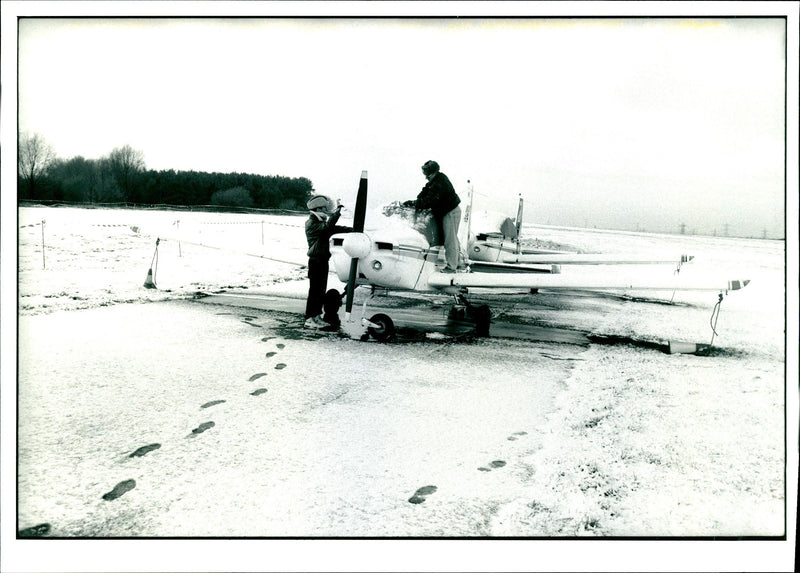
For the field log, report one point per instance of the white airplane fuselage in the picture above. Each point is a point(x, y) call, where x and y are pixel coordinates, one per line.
point(392, 261)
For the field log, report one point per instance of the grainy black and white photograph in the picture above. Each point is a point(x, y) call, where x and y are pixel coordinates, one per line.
point(370, 286)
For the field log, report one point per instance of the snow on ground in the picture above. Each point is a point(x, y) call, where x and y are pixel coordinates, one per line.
point(616, 439)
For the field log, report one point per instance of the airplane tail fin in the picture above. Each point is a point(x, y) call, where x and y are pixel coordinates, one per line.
point(466, 220)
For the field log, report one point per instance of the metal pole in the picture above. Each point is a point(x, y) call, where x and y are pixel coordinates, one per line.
point(43, 261)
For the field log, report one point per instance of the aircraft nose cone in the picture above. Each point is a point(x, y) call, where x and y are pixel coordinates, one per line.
point(356, 245)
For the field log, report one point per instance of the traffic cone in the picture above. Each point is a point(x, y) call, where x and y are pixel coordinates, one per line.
point(148, 282)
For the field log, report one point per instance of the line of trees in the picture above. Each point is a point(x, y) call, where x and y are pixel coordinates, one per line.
point(122, 176)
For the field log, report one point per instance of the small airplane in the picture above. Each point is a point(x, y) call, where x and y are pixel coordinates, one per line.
point(404, 260)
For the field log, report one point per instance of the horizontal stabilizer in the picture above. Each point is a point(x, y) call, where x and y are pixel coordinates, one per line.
point(561, 281)
point(738, 284)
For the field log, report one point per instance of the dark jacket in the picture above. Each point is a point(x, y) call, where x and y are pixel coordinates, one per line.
point(438, 195)
point(318, 235)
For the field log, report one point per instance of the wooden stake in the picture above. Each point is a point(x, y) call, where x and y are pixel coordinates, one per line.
point(43, 260)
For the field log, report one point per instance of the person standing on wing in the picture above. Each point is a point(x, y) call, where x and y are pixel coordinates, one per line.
point(320, 225)
point(439, 196)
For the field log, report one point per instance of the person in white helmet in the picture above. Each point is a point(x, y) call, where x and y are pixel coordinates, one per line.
point(320, 225)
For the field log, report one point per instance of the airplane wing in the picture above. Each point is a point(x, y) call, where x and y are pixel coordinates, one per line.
point(489, 267)
point(595, 259)
point(545, 263)
point(440, 280)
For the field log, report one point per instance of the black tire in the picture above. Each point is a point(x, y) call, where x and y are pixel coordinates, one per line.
point(384, 330)
point(456, 313)
point(332, 300)
point(483, 320)
point(330, 306)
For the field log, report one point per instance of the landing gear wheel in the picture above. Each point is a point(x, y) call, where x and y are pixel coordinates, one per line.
point(331, 305)
point(384, 329)
point(457, 313)
point(483, 319)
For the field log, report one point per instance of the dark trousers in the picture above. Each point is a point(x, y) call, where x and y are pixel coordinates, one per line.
point(317, 285)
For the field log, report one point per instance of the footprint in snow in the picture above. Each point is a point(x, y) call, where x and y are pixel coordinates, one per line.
point(256, 376)
point(202, 428)
point(423, 492)
point(280, 346)
point(270, 354)
point(144, 450)
point(266, 338)
point(258, 392)
point(493, 465)
point(212, 403)
point(280, 366)
point(513, 436)
point(120, 489)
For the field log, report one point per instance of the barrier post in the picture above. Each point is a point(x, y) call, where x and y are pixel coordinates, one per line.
point(43, 260)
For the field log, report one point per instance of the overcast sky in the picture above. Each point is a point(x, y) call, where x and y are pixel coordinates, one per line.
point(617, 123)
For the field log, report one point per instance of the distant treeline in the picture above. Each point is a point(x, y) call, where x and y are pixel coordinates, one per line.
point(121, 177)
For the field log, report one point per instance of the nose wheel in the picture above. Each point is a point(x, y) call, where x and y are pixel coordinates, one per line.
point(380, 327)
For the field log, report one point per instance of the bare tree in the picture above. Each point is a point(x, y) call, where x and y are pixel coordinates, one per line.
point(104, 187)
point(126, 163)
point(34, 156)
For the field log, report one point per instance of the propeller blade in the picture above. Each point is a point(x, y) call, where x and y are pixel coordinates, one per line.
point(358, 227)
point(361, 204)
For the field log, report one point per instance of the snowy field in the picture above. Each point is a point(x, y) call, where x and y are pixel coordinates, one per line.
point(144, 413)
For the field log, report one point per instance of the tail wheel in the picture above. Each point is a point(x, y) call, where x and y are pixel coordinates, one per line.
point(383, 329)
point(483, 319)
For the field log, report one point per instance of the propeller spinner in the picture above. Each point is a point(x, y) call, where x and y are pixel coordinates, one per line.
point(358, 227)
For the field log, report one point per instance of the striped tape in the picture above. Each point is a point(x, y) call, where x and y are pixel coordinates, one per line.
point(248, 223)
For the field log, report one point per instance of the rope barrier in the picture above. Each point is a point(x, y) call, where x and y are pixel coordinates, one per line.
point(110, 225)
point(714, 318)
point(238, 251)
point(249, 223)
